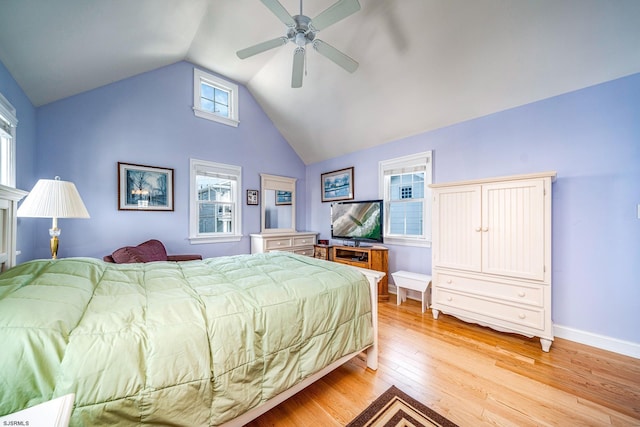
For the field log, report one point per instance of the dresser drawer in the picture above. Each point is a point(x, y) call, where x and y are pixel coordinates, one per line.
point(308, 251)
point(273, 244)
point(298, 242)
point(525, 316)
point(304, 241)
point(520, 293)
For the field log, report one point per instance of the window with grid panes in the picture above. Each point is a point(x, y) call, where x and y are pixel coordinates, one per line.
point(403, 184)
point(215, 202)
point(8, 123)
point(215, 98)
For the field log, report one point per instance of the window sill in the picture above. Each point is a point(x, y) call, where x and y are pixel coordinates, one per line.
point(214, 117)
point(198, 240)
point(405, 241)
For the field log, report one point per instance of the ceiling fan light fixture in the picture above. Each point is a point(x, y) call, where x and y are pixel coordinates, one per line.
point(300, 39)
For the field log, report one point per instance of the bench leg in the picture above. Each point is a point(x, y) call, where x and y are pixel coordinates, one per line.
point(402, 295)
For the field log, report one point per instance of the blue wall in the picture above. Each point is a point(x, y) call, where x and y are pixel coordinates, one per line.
point(148, 119)
point(591, 138)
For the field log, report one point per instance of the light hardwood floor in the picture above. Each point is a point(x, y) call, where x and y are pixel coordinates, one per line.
point(475, 377)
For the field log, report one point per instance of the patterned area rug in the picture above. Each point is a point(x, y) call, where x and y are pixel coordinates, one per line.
point(395, 408)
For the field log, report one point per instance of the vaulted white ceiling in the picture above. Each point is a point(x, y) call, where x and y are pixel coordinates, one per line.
point(424, 64)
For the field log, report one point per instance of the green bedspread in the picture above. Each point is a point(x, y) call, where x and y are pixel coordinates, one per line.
point(189, 343)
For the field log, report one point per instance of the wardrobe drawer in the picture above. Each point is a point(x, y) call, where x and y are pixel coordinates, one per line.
point(520, 293)
point(284, 243)
point(529, 317)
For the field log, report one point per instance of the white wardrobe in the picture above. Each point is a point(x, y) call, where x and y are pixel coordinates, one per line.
point(492, 253)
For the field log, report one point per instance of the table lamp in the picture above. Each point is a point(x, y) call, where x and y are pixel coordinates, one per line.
point(53, 198)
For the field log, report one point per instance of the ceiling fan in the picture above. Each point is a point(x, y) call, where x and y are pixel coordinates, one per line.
point(302, 30)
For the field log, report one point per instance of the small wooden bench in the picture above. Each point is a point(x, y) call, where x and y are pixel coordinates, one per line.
point(415, 281)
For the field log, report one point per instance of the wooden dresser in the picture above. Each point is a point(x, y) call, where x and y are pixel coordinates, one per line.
point(324, 252)
point(299, 242)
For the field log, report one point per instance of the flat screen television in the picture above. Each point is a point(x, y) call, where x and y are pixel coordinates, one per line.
point(358, 221)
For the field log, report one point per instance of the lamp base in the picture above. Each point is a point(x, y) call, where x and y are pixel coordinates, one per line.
point(54, 233)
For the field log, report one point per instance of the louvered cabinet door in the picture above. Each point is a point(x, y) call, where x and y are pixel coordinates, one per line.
point(456, 220)
point(513, 229)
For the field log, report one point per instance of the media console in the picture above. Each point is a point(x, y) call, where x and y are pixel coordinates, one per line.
point(372, 257)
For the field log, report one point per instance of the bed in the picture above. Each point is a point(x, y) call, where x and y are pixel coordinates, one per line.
point(212, 342)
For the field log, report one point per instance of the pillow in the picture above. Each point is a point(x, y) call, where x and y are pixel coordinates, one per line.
point(151, 250)
point(127, 255)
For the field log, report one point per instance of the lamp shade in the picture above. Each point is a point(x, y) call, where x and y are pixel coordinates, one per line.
point(53, 198)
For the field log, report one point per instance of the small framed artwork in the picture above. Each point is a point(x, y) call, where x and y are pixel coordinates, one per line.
point(283, 197)
point(252, 197)
point(337, 185)
point(144, 188)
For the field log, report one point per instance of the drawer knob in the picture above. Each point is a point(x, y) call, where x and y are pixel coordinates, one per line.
point(449, 281)
point(521, 294)
point(522, 315)
point(279, 243)
point(449, 299)
point(478, 229)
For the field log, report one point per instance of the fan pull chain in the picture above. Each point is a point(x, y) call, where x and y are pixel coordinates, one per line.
point(305, 58)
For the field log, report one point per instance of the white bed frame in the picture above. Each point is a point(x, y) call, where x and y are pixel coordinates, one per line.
point(371, 351)
point(9, 198)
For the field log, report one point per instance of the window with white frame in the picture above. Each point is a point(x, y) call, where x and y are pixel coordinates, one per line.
point(215, 202)
point(215, 98)
point(8, 123)
point(403, 184)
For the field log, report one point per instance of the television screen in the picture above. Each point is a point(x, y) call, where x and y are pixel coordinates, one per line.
point(358, 221)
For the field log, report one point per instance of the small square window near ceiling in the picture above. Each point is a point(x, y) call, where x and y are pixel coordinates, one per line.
point(215, 99)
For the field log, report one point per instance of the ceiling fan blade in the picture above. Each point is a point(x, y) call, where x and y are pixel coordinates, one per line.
point(334, 13)
point(261, 47)
point(335, 55)
point(277, 9)
point(298, 68)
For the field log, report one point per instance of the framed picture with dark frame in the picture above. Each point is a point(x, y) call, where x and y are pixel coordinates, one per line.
point(337, 185)
point(144, 188)
point(283, 197)
point(252, 197)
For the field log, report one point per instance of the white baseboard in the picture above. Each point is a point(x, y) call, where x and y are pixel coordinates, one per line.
point(603, 342)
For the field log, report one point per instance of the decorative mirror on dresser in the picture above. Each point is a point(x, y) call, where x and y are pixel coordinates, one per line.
point(278, 203)
point(278, 219)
